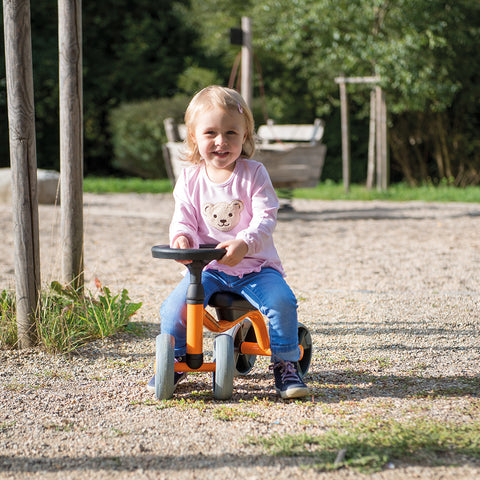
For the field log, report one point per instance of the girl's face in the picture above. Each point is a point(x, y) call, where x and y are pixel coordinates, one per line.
point(219, 136)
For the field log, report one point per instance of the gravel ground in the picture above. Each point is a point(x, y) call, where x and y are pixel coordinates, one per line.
point(390, 292)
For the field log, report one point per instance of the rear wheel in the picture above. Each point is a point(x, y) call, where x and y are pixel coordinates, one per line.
point(305, 340)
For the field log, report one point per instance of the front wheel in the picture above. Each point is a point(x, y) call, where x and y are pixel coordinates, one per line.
point(242, 332)
point(224, 367)
point(165, 365)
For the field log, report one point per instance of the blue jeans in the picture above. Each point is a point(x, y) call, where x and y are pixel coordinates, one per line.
point(265, 290)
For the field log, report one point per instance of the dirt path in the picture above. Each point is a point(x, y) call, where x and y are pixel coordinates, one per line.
point(390, 292)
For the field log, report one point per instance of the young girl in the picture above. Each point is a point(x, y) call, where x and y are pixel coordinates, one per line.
point(226, 199)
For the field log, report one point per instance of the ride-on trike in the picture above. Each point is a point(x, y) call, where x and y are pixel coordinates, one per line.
point(242, 331)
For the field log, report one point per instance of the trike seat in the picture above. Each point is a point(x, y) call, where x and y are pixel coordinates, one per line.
point(230, 306)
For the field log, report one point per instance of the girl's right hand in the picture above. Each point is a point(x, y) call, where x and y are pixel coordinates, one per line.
point(182, 242)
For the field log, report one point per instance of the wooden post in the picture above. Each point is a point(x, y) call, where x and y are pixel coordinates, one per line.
point(381, 139)
point(345, 137)
point(371, 142)
point(71, 139)
point(383, 126)
point(21, 117)
point(247, 62)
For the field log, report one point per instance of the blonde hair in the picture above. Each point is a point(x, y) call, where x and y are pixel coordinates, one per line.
point(228, 100)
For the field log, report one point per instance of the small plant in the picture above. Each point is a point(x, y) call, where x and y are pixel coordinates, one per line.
point(228, 413)
point(68, 318)
point(8, 328)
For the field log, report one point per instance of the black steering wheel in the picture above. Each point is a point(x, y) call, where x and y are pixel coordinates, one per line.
point(206, 253)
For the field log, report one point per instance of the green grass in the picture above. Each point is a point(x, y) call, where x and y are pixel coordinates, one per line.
point(398, 192)
point(373, 445)
point(68, 319)
point(326, 190)
point(125, 185)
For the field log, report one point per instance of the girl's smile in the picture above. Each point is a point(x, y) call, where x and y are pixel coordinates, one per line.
point(219, 136)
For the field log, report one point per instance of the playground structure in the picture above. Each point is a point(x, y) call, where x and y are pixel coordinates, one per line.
point(241, 329)
point(377, 141)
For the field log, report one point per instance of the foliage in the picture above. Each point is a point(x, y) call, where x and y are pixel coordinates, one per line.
point(131, 51)
point(425, 53)
point(212, 20)
point(68, 319)
point(138, 134)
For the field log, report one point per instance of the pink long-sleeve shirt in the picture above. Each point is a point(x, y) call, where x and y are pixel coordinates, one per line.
point(244, 207)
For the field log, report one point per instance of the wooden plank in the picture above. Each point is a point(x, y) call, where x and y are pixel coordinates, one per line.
point(21, 118)
point(292, 133)
point(357, 80)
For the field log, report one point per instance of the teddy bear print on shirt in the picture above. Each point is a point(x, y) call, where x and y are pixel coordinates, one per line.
point(222, 215)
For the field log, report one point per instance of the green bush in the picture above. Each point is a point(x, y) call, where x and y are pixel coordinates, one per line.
point(138, 134)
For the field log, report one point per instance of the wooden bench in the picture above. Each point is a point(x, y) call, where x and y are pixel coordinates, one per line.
point(292, 154)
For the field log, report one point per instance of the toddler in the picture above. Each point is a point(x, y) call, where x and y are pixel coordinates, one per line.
point(226, 199)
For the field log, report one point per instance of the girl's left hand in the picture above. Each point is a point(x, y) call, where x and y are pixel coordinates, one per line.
point(236, 251)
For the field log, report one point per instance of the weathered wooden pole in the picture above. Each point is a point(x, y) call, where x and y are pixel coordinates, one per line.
point(345, 135)
point(383, 126)
point(23, 159)
point(71, 139)
point(247, 61)
point(381, 139)
point(371, 141)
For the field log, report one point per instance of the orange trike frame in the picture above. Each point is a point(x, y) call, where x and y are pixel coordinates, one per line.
point(198, 317)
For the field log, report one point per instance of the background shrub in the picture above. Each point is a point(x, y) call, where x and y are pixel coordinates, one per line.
point(138, 134)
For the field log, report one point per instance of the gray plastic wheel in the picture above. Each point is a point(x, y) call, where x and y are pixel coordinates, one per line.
point(164, 372)
point(242, 332)
point(305, 340)
point(224, 368)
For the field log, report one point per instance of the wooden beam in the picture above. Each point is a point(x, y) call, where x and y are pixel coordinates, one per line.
point(357, 79)
point(71, 139)
point(23, 159)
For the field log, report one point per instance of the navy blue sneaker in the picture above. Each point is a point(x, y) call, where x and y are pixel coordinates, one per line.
point(177, 377)
point(288, 383)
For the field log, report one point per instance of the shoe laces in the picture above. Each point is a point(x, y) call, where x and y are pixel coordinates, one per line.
point(287, 370)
